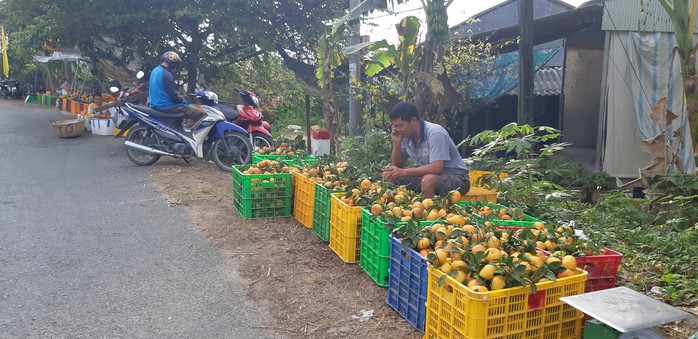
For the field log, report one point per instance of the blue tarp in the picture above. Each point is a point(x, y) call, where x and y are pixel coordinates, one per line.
point(493, 77)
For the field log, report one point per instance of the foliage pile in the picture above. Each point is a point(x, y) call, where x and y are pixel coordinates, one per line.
point(658, 235)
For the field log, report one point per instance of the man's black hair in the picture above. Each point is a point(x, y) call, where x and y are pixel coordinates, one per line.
point(405, 111)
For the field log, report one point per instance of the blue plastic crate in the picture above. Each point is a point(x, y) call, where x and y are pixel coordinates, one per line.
point(407, 284)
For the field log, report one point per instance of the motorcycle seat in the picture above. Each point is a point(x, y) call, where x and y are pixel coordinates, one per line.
point(157, 114)
point(230, 113)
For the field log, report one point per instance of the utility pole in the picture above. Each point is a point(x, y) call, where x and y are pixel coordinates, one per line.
point(355, 110)
point(525, 112)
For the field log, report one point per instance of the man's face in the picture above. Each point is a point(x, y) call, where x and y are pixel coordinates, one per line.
point(98, 100)
point(405, 128)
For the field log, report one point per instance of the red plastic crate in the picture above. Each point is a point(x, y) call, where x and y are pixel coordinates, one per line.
point(603, 270)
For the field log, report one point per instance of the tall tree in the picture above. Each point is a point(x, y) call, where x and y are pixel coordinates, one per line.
point(210, 34)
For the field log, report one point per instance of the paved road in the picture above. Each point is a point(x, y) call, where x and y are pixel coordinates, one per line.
point(89, 249)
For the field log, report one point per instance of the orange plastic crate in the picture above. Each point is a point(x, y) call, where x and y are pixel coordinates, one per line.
point(345, 229)
point(303, 199)
point(509, 313)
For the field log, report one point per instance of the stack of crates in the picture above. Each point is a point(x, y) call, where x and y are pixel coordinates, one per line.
point(345, 229)
point(479, 191)
point(475, 176)
point(303, 199)
point(455, 311)
point(480, 194)
point(262, 195)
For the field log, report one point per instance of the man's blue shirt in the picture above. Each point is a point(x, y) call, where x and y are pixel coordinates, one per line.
point(162, 91)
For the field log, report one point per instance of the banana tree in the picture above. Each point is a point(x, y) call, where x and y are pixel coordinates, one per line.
point(328, 58)
point(682, 15)
point(399, 61)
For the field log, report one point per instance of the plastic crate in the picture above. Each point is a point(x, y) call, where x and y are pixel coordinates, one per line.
point(256, 158)
point(262, 195)
point(480, 194)
point(476, 175)
point(321, 212)
point(407, 288)
point(603, 270)
point(303, 199)
point(301, 161)
point(509, 313)
point(345, 229)
point(375, 247)
point(527, 221)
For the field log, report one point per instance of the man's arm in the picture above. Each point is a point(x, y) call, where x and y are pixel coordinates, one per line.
point(169, 84)
point(396, 158)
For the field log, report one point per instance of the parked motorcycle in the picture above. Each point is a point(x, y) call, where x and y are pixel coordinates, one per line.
point(154, 133)
point(246, 116)
point(250, 118)
point(10, 88)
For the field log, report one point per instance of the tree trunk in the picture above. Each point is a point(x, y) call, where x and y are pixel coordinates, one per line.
point(192, 75)
point(690, 86)
point(329, 109)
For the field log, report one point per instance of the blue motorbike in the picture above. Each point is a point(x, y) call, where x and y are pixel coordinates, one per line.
point(154, 133)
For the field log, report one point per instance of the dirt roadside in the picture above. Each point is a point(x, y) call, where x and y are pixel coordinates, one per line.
point(310, 291)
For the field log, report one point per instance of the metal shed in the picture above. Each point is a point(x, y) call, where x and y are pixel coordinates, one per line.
point(638, 69)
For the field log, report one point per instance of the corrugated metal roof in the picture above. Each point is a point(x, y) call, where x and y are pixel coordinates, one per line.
point(506, 14)
point(636, 16)
point(546, 82)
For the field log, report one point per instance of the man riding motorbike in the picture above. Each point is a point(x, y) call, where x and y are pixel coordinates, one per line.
point(163, 95)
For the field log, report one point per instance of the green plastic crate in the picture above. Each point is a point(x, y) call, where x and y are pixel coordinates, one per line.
point(321, 211)
point(301, 161)
point(292, 160)
point(262, 195)
point(375, 247)
point(527, 221)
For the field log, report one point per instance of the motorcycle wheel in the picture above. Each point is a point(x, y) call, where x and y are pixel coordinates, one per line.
point(137, 134)
point(233, 149)
point(262, 140)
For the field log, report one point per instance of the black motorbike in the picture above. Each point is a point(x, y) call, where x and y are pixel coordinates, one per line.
point(10, 88)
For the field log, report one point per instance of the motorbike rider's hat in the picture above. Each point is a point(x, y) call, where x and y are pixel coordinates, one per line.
point(172, 59)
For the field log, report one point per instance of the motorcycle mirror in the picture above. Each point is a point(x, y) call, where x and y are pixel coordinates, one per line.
point(140, 74)
point(113, 89)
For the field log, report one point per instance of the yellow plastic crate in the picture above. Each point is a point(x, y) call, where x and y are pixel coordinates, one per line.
point(509, 313)
point(480, 194)
point(475, 176)
point(345, 229)
point(303, 199)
